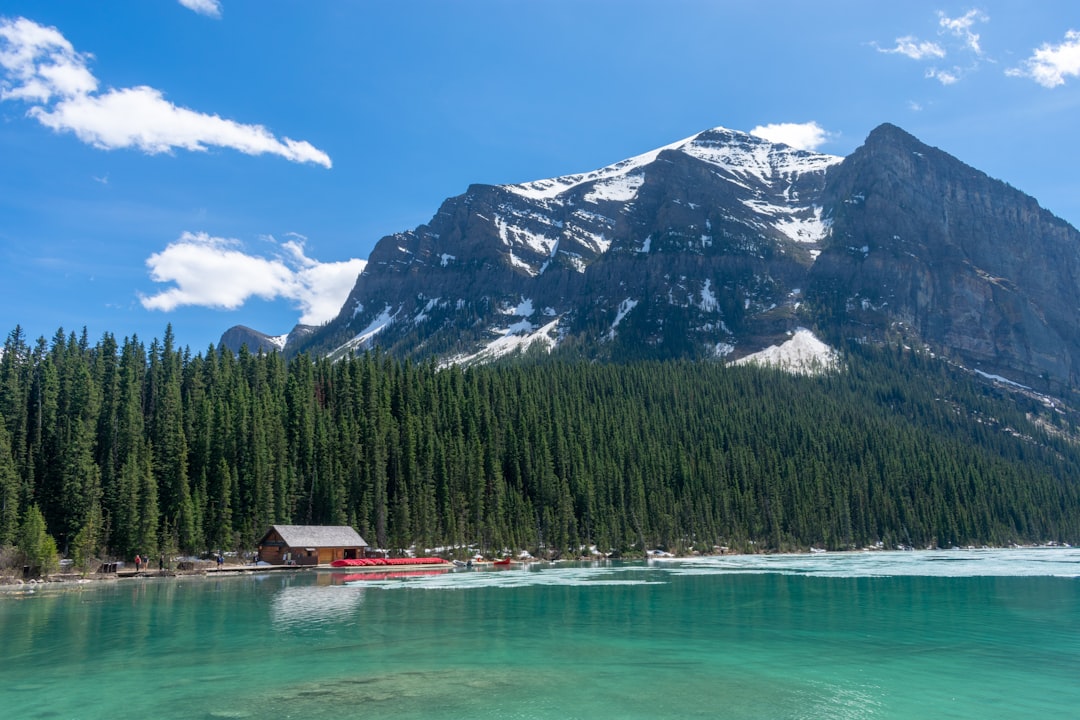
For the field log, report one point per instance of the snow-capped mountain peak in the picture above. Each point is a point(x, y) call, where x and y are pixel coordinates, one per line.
point(734, 151)
point(722, 245)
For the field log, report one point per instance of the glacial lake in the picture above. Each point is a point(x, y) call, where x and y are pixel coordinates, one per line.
point(943, 634)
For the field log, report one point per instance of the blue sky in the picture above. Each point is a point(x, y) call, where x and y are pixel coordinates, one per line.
point(211, 163)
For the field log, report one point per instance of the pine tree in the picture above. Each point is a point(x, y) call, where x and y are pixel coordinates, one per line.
point(149, 534)
point(9, 490)
point(37, 547)
point(170, 443)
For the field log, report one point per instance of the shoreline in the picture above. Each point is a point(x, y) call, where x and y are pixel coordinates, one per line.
point(17, 586)
point(9, 584)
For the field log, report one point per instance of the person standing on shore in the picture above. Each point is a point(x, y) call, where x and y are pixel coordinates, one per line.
point(138, 562)
point(161, 563)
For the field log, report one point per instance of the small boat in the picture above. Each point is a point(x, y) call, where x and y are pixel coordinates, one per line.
point(504, 561)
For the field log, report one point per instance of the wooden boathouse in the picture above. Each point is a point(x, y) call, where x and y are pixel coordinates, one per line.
point(310, 544)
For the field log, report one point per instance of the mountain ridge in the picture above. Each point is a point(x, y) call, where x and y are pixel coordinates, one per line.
point(722, 245)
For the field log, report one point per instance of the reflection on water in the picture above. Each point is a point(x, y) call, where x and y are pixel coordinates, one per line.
point(301, 607)
point(372, 576)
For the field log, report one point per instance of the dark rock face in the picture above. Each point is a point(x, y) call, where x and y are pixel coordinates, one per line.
point(927, 248)
point(723, 244)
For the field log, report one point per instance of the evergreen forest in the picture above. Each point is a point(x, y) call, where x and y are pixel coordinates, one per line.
point(112, 449)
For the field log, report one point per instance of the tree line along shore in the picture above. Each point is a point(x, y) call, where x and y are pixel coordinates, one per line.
point(109, 449)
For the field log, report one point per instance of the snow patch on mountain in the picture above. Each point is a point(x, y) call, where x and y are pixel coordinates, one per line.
point(811, 229)
point(517, 262)
point(514, 339)
point(708, 297)
point(618, 189)
point(624, 307)
point(553, 187)
point(525, 214)
point(515, 236)
point(802, 354)
point(749, 156)
point(374, 328)
point(798, 224)
point(522, 309)
point(423, 314)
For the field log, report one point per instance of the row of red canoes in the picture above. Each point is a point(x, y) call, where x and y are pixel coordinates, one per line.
point(368, 562)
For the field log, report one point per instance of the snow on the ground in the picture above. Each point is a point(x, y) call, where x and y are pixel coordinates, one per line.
point(802, 354)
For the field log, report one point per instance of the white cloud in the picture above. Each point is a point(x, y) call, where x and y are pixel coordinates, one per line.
point(1050, 64)
point(961, 27)
point(967, 41)
point(40, 64)
point(42, 69)
point(216, 272)
point(210, 8)
point(802, 136)
point(909, 46)
point(945, 77)
point(140, 117)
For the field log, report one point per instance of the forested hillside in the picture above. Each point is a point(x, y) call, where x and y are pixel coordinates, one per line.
point(129, 448)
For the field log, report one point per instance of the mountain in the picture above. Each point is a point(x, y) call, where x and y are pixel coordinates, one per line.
point(725, 245)
point(240, 336)
point(926, 248)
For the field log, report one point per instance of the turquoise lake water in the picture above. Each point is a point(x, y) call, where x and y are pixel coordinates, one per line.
point(951, 634)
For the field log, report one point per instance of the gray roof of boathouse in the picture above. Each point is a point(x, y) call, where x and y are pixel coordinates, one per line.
point(318, 536)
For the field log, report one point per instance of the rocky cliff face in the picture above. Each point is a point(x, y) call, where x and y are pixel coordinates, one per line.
point(723, 244)
point(929, 249)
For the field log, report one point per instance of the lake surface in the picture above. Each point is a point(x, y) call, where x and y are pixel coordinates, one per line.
point(951, 634)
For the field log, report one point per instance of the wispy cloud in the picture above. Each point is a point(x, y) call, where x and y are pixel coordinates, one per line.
point(912, 47)
point(958, 37)
point(945, 77)
point(961, 28)
point(1050, 64)
point(41, 68)
point(210, 8)
point(217, 272)
point(802, 136)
